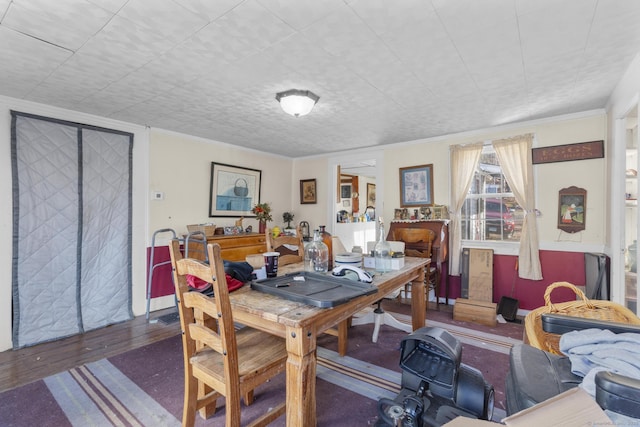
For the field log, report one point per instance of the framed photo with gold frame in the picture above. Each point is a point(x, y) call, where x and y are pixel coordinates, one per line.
point(308, 192)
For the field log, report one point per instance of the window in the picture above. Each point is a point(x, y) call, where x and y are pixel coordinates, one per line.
point(490, 211)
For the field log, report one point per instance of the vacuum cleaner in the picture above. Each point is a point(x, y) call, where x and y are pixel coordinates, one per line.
point(436, 386)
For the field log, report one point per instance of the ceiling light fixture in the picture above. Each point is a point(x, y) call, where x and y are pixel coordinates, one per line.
point(297, 102)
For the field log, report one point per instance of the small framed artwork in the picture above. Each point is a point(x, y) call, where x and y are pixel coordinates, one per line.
point(345, 191)
point(572, 209)
point(308, 193)
point(234, 190)
point(416, 186)
point(371, 194)
point(346, 203)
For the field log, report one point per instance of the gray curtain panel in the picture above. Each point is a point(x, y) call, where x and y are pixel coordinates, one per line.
point(71, 228)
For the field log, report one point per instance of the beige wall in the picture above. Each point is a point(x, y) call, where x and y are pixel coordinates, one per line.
point(311, 168)
point(550, 178)
point(180, 167)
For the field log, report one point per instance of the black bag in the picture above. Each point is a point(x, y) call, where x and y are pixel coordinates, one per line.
point(238, 270)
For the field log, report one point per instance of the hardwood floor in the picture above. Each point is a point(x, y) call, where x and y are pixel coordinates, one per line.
point(23, 366)
point(19, 367)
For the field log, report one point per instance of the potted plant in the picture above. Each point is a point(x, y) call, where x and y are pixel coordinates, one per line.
point(288, 217)
point(262, 212)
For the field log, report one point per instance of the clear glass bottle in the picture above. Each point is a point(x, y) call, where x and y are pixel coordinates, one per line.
point(382, 252)
point(316, 255)
point(326, 238)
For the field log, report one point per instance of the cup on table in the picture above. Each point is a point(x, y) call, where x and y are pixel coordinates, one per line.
point(257, 262)
point(271, 263)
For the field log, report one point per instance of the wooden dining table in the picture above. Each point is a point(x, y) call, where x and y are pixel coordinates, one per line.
point(300, 324)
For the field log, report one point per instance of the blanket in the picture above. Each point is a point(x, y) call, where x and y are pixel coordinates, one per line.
point(594, 350)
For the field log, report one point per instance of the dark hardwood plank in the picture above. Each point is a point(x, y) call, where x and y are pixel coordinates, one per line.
point(23, 366)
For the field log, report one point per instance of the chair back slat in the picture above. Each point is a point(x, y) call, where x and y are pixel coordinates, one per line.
point(200, 315)
point(201, 303)
point(287, 255)
point(414, 235)
point(195, 268)
point(206, 336)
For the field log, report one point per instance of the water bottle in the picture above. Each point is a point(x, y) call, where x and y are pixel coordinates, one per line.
point(316, 255)
point(382, 252)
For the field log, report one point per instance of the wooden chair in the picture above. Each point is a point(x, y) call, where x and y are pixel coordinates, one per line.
point(287, 254)
point(425, 237)
point(218, 360)
point(291, 256)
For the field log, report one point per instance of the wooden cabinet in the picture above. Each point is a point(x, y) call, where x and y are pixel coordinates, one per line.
point(237, 247)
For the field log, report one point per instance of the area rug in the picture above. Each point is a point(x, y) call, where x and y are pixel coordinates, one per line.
point(144, 387)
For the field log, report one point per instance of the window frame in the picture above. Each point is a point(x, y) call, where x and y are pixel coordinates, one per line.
point(507, 247)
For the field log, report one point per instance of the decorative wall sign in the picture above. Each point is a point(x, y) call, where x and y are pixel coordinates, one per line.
point(234, 190)
point(416, 186)
point(572, 209)
point(568, 152)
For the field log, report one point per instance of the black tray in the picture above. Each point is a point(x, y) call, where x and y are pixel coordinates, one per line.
point(320, 290)
point(561, 324)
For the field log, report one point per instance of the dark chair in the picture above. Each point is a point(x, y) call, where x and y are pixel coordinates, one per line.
point(426, 237)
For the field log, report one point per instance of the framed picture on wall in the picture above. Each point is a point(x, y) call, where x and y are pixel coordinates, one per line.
point(345, 191)
point(416, 186)
point(234, 190)
point(371, 194)
point(572, 209)
point(308, 191)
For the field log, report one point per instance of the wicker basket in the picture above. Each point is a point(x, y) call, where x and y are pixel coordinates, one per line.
point(581, 307)
point(208, 229)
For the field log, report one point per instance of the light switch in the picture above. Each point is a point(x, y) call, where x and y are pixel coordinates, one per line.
point(157, 195)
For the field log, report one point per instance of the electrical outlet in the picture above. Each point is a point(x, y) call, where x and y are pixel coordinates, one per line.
point(157, 195)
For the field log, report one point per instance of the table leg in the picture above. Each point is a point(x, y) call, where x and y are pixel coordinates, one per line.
point(343, 340)
point(301, 377)
point(418, 300)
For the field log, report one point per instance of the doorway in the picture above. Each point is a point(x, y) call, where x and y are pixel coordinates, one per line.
point(625, 197)
point(356, 198)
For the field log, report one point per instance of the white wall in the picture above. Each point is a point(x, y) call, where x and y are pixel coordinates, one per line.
point(140, 156)
point(625, 96)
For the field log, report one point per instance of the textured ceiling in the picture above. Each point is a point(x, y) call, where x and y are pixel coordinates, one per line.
point(386, 71)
